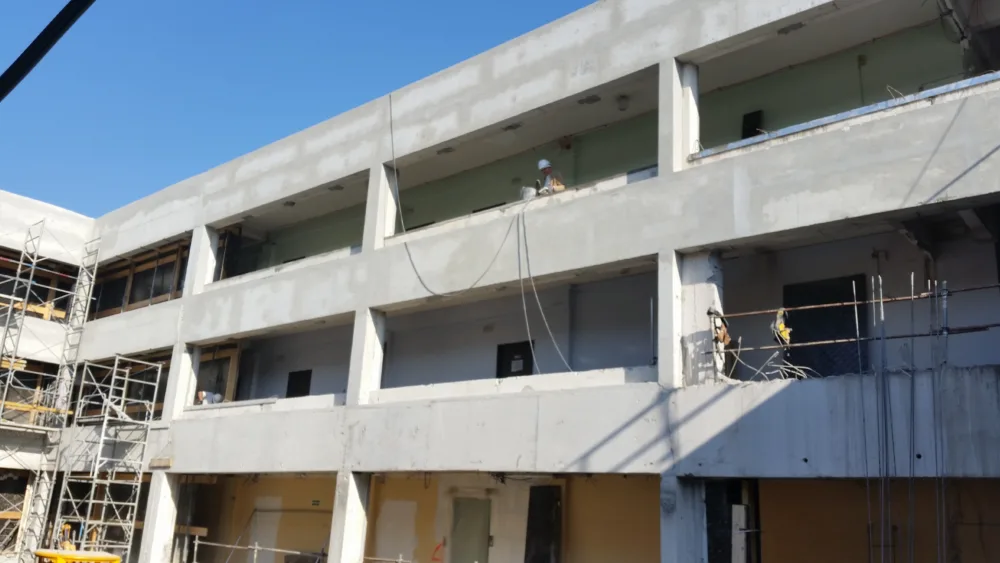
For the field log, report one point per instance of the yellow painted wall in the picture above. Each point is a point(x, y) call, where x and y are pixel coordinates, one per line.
point(612, 518)
point(607, 518)
point(826, 521)
point(300, 508)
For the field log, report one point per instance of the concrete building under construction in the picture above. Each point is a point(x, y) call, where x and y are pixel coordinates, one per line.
point(759, 325)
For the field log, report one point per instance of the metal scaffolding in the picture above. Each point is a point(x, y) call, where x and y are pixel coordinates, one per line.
point(99, 497)
point(34, 401)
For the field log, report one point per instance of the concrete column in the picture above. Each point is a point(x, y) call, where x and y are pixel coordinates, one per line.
point(182, 378)
point(680, 123)
point(381, 207)
point(669, 356)
point(350, 518)
point(683, 528)
point(701, 291)
point(160, 520)
point(367, 354)
point(202, 259)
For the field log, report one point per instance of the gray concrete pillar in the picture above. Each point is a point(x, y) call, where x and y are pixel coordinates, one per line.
point(669, 356)
point(350, 518)
point(367, 354)
point(161, 519)
point(701, 292)
point(182, 380)
point(683, 528)
point(680, 123)
point(202, 260)
point(381, 207)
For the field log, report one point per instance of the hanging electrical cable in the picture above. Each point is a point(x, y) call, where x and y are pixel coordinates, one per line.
point(518, 220)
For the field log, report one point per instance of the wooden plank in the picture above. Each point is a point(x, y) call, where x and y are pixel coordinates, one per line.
point(130, 409)
point(10, 515)
point(178, 529)
point(233, 374)
point(8, 405)
point(18, 364)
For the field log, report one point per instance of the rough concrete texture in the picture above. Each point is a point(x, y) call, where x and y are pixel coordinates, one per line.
point(41, 340)
point(599, 43)
point(764, 430)
point(852, 172)
point(21, 450)
point(139, 330)
point(64, 234)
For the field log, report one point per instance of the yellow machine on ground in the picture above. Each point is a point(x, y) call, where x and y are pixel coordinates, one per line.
point(67, 552)
point(68, 556)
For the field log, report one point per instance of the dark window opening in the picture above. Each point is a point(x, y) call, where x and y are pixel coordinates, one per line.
point(723, 500)
point(111, 294)
point(420, 226)
point(298, 383)
point(753, 124)
point(152, 282)
point(488, 207)
point(515, 359)
point(829, 323)
point(543, 541)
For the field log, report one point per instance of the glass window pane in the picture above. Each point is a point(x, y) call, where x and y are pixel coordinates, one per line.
point(111, 294)
point(142, 286)
point(164, 279)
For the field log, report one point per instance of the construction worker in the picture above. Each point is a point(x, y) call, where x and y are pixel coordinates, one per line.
point(209, 398)
point(553, 180)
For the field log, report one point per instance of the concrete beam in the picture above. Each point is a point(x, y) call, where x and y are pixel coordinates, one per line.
point(64, 234)
point(140, 330)
point(724, 430)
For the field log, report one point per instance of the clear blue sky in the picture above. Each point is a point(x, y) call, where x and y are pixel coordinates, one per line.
point(141, 94)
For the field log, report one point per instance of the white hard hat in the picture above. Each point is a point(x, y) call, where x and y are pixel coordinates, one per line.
point(543, 164)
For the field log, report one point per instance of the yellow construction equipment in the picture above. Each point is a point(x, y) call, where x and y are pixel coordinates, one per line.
point(69, 556)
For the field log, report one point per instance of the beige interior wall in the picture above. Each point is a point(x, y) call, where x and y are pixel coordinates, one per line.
point(612, 518)
point(825, 521)
point(607, 518)
point(282, 512)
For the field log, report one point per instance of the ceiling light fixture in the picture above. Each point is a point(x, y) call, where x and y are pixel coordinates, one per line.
point(591, 99)
point(446, 150)
point(623, 102)
point(289, 204)
point(513, 126)
point(336, 188)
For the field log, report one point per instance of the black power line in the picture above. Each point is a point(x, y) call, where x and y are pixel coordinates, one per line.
point(42, 45)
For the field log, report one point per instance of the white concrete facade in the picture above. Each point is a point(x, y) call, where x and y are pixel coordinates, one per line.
point(666, 406)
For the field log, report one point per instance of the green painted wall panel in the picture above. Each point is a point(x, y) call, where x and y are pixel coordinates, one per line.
point(910, 61)
point(605, 152)
point(340, 229)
